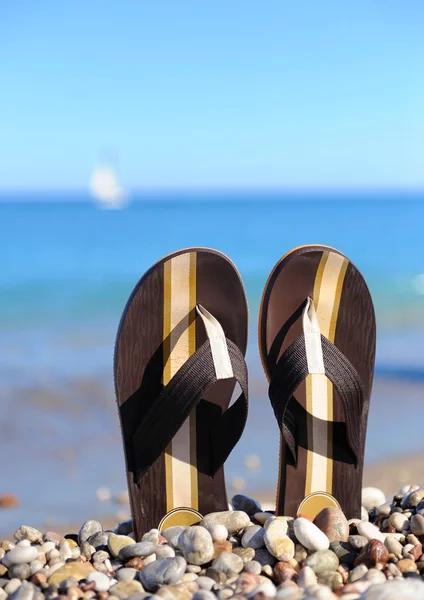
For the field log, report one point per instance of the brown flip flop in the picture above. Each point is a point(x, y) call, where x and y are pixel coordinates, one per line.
point(317, 345)
point(179, 352)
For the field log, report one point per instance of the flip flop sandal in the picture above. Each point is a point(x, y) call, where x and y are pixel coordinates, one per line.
point(179, 352)
point(317, 345)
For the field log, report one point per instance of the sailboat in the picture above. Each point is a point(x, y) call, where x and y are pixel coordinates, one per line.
point(106, 188)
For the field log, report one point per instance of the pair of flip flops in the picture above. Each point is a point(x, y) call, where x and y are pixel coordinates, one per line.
point(180, 351)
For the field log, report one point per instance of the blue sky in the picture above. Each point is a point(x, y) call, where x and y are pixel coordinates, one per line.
point(222, 93)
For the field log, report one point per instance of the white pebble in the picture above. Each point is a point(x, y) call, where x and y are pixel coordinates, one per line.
point(218, 532)
point(101, 580)
point(370, 531)
point(372, 497)
point(310, 536)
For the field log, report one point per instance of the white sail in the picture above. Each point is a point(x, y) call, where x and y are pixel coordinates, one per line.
point(106, 189)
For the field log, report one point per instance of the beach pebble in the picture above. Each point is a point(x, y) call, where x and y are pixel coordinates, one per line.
point(18, 556)
point(162, 571)
point(357, 573)
point(309, 535)
point(372, 497)
point(25, 532)
point(25, 591)
point(70, 569)
point(21, 571)
point(262, 556)
point(125, 573)
point(246, 504)
point(333, 523)
point(417, 524)
point(322, 560)
point(357, 541)
point(399, 521)
point(141, 549)
point(171, 534)
point(228, 563)
point(374, 553)
point(412, 499)
point(253, 537)
point(99, 540)
point(219, 533)
point(11, 587)
point(234, 521)
point(125, 588)
point(124, 528)
point(196, 545)
point(370, 531)
point(264, 590)
point(306, 577)
point(88, 529)
point(205, 583)
point(253, 566)
point(102, 581)
point(392, 545)
point(204, 595)
point(276, 540)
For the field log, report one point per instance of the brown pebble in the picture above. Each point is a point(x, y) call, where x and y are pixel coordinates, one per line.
point(284, 572)
point(416, 551)
point(102, 595)
point(39, 579)
point(333, 523)
point(406, 565)
point(7, 545)
point(3, 570)
point(391, 529)
point(220, 547)
point(344, 572)
point(87, 587)
point(246, 582)
point(74, 593)
point(136, 563)
point(373, 554)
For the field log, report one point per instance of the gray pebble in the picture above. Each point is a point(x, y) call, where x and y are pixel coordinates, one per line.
point(88, 529)
point(171, 534)
point(357, 573)
point(358, 541)
point(246, 554)
point(124, 528)
point(246, 504)
point(193, 569)
point(19, 556)
point(253, 537)
point(99, 540)
point(163, 571)
point(205, 583)
point(100, 556)
point(228, 563)
point(12, 586)
point(263, 557)
point(233, 520)
point(25, 532)
point(20, 571)
point(125, 573)
point(141, 549)
point(196, 545)
point(253, 566)
point(204, 595)
point(322, 561)
point(24, 592)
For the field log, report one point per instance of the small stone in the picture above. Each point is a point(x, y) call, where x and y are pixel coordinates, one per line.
point(283, 571)
point(358, 541)
point(124, 528)
point(392, 545)
point(372, 497)
point(25, 532)
point(417, 524)
point(39, 579)
point(99, 540)
point(412, 499)
point(102, 581)
point(138, 563)
point(220, 547)
point(3, 570)
point(253, 537)
point(276, 540)
point(374, 553)
point(370, 531)
point(234, 520)
point(217, 576)
point(196, 545)
point(333, 523)
point(357, 573)
point(321, 561)
point(246, 504)
point(88, 529)
point(265, 589)
point(18, 556)
point(24, 592)
point(164, 551)
point(228, 563)
point(219, 533)
point(306, 577)
point(117, 542)
point(344, 551)
point(164, 571)
point(333, 579)
point(263, 557)
point(71, 569)
point(406, 565)
point(253, 566)
point(12, 586)
point(125, 588)
point(125, 573)
point(375, 576)
point(310, 536)
point(246, 582)
point(141, 549)
point(399, 521)
point(21, 572)
point(205, 583)
point(247, 554)
point(204, 595)
point(172, 534)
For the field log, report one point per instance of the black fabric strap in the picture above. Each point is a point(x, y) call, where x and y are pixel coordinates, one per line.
point(292, 369)
point(220, 431)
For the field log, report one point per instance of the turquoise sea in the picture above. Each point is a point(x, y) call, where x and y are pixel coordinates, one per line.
point(68, 267)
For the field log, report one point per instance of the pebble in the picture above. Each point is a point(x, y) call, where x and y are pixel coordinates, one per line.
point(248, 554)
point(263, 557)
point(393, 545)
point(12, 586)
point(196, 545)
point(372, 497)
point(310, 536)
point(253, 566)
point(18, 556)
point(321, 561)
point(205, 583)
point(370, 531)
point(406, 565)
point(246, 504)
point(357, 541)
point(102, 581)
point(228, 563)
point(88, 529)
point(234, 521)
point(25, 532)
point(24, 592)
point(71, 569)
point(219, 533)
point(417, 524)
point(125, 573)
point(141, 549)
point(163, 571)
point(22, 571)
point(277, 541)
point(374, 553)
point(333, 523)
point(253, 537)
point(125, 588)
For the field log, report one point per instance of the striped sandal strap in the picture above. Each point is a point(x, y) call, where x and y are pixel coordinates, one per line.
point(313, 353)
point(217, 359)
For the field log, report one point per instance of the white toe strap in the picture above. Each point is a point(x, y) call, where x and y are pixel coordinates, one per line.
point(312, 335)
point(216, 335)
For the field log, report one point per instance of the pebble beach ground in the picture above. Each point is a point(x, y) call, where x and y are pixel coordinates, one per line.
point(241, 553)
